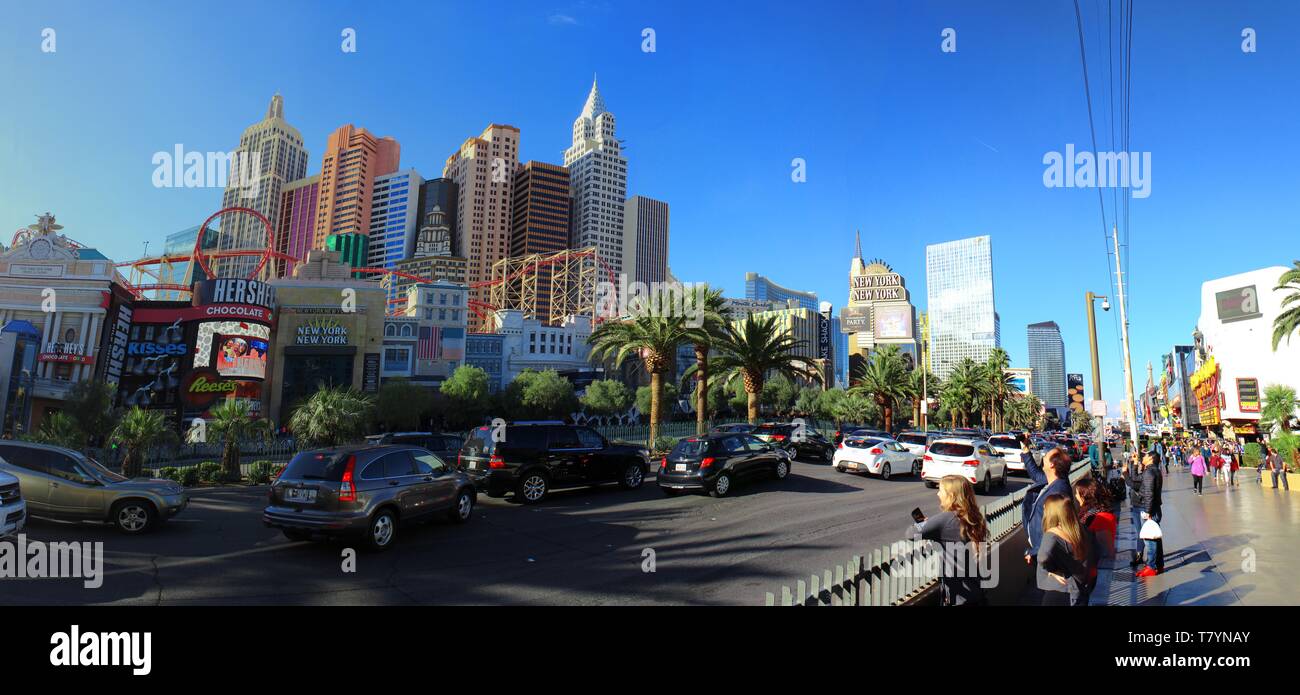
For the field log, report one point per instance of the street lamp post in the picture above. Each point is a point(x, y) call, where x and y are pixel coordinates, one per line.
point(1099, 428)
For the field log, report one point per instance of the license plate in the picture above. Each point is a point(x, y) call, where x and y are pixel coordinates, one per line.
point(472, 465)
point(300, 495)
point(680, 467)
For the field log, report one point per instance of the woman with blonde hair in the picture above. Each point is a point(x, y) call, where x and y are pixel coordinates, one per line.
point(1066, 555)
point(961, 528)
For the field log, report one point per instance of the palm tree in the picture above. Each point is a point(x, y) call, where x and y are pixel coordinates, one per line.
point(232, 422)
point(61, 430)
point(756, 347)
point(704, 337)
point(885, 378)
point(919, 384)
point(963, 391)
point(851, 407)
point(1288, 321)
point(138, 430)
point(653, 334)
point(1001, 385)
point(331, 416)
point(1279, 408)
point(1017, 414)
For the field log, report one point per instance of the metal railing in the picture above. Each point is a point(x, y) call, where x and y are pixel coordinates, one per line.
point(897, 573)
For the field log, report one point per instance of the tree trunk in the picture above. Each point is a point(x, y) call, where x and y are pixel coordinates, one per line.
point(753, 388)
point(130, 467)
point(230, 459)
point(656, 387)
point(753, 406)
point(702, 389)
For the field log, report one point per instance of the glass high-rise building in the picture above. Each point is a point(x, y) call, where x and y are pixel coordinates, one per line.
point(1047, 359)
point(959, 293)
point(393, 217)
point(645, 239)
point(295, 232)
point(762, 289)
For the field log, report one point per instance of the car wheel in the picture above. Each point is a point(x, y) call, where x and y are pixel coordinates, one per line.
point(829, 455)
point(782, 470)
point(460, 512)
point(840, 468)
point(722, 485)
point(133, 516)
point(633, 476)
point(916, 467)
point(885, 472)
point(1003, 482)
point(296, 535)
point(381, 532)
point(532, 488)
point(931, 484)
point(986, 485)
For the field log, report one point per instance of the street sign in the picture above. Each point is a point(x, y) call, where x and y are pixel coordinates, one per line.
point(1099, 408)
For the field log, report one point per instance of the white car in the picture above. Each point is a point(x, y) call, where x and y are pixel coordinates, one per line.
point(1008, 448)
point(875, 455)
point(970, 458)
point(13, 510)
point(916, 442)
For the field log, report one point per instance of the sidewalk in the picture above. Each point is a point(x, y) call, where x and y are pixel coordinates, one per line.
point(1233, 547)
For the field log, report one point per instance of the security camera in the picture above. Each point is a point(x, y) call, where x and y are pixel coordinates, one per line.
point(1105, 305)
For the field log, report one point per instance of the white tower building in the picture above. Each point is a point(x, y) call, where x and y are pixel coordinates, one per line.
point(598, 180)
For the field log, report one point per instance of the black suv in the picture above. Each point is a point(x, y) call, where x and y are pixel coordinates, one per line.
point(715, 462)
point(798, 441)
point(529, 460)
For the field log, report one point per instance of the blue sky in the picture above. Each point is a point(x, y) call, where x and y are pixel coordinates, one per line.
point(906, 143)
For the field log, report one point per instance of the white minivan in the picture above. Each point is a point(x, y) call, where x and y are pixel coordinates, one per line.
point(13, 511)
point(970, 458)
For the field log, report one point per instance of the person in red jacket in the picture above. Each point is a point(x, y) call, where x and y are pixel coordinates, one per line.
point(1095, 514)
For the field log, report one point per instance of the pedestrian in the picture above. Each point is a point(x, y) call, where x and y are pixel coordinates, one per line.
point(1095, 514)
point(1216, 465)
point(1148, 506)
point(1196, 464)
point(1050, 478)
point(962, 530)
point(1276, 466)
point(1066, 555)
point(1234, 463)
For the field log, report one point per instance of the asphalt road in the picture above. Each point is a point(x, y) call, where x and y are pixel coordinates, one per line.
point(579, 547)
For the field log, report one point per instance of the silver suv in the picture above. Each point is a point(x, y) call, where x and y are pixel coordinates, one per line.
point(66, 485)
point(13, 512)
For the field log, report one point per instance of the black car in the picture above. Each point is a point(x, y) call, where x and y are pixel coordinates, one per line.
point(734, 427)
point(530, 460)
point(365, 492)
point(714, 463)
point(798, 441)
point(445, 446)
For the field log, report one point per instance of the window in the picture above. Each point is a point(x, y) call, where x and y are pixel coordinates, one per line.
point(564, 438)
point(589, 439)
point(429, 464)
point(399, 464)
point(755, 444)
point(733, 445)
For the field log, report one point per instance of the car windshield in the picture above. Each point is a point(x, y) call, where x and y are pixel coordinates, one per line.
point(689, 448)
point(1004, 443)
point(862, 443)
point(98, 470)
point(952, 449)
point(913, 439)
point(316, 465)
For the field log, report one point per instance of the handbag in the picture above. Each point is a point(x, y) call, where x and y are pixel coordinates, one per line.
point(1150, 531)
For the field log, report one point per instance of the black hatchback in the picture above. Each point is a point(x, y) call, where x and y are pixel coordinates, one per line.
point(530, 460)
point(714, 463)
point(799, 440)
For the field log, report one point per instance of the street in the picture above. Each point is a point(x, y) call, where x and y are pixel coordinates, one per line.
point(579, 547)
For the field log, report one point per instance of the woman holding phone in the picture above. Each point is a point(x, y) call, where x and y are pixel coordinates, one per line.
point(1066, 556)
point(961, 528)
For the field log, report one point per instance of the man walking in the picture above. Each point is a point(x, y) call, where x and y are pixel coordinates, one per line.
point(1276, 466)
point(1147, 506)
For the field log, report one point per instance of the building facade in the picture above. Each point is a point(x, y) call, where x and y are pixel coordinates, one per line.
point(540, 223)
point(1047, 360)
point(439, 195)
point(394, 217)
point(295, 230)
point(761, 289)
point(598, 176)
point(963, 318)
point(645, 239)
point(275, 149)
point(483, 172)
point(353, 159)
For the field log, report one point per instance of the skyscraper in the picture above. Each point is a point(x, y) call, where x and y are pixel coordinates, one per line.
point(959, 292)
point(483, 171)
point(598, 177)
point(394, 221)
point(540, 223)
point(295, 230)
point(1047, 359)
point(353, 159)
point(270, 154)
point(440, 194)
point(763, 289)
point(645, 239)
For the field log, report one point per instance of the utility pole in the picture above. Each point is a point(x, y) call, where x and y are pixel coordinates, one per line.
point(1128, 364)
point(1099, 426)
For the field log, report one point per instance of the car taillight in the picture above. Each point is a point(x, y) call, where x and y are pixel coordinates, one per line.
point(970, 462)
point(348, 493)
point(876, 451)
point(496, 461)
point(927, 458)
point(841, 443)
point(664, 463)
point(708, 461)
point(460, 463)
point(778, 437)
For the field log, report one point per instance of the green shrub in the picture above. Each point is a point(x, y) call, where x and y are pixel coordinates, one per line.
point(263, 472)
point(211, 472)
point(664, 443)
point(188, 476)
point(1254, 455)
point(170, 473)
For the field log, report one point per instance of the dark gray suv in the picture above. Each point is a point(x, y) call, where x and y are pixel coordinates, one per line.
point(365, 492)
